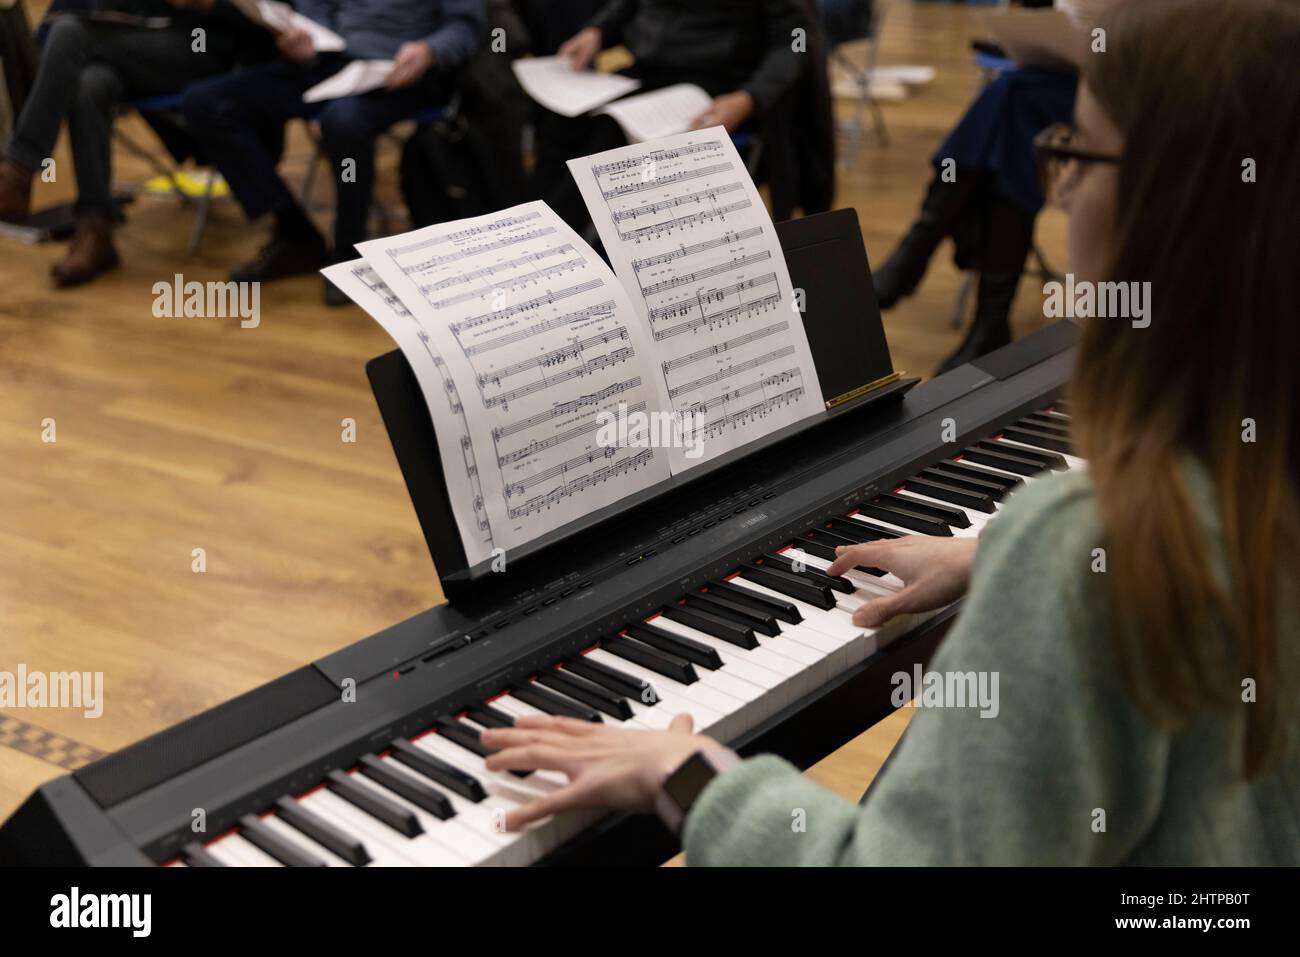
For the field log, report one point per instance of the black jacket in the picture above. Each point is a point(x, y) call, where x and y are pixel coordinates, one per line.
point(721, 45)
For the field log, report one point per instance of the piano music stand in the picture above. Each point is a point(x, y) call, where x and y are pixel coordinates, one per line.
point(827, 261)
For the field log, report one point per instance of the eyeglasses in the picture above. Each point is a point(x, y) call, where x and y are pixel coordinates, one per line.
point(1055, 153)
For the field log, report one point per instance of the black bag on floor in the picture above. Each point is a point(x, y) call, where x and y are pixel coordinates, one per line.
point(450, 171)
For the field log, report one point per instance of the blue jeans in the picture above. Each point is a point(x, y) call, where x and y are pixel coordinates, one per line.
point(234, 117)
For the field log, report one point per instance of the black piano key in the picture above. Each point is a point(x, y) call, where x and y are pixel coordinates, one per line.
point(953, 517)
point(950, 493)
point(833, 582)
point(825, 549)
point(1052, 460)
point(552, 703)
point(907, 517)
point(580, 689)
point(1041, 439)
point(860, 532)
point(761, 622)
point(337, 842)
point(728, 631)
point(976, 473)
point(938, 476)
point(490, 717)
point(405, 786)
point(611, 679)
point(1046, 422)
point(1054, 419)
point(1060, 405)
point(458, 732)
point(435, 769)
point(1003, 460)
point(819, 596)
point(286, 852)
point(691, 651)
point(654, 659)
point(196, 855)
point(376, 805)
point(779, 608)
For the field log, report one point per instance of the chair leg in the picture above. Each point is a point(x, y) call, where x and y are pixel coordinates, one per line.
point(159, 167)
point(317, 156)
point(963, 299)
point(201, 213)
point(878, 123)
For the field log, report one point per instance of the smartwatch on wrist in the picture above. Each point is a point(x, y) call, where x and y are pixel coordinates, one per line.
point(680, 789)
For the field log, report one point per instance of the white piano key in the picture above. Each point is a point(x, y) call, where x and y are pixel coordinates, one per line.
point(233, 851)
point(772, 661)
point(451, 835)
point(977, 518)
point(815, 618)
point(373, 832)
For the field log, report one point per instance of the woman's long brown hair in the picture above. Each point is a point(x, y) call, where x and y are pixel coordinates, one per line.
point(1200, 91)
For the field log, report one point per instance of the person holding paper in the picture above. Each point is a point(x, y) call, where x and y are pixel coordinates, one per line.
point(1145, 713)
point(427, 40)
point(87, 68)
point(741, 52)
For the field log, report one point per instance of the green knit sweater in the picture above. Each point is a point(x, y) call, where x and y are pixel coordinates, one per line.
point(1069, 771)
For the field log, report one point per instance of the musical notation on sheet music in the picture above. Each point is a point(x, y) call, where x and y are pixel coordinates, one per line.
point(455, 445)
point(541, 339)
point(690, 239)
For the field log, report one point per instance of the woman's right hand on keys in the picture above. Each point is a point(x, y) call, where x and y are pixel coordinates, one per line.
point(935, 572)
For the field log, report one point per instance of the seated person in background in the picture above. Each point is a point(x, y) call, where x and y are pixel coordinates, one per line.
point(428, 40)
point(87, 68)
point(987, 202)
point(1164, 690)
point(741, 52)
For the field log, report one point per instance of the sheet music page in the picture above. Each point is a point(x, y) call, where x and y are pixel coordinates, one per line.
point(455, 445)
point(692, 242)
point(545, 350)
point(649, 116)
point(359, 76)
point(555, 84)
point(280, 17)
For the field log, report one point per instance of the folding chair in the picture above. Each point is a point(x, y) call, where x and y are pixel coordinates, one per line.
point(170, 103)
point(857, 20)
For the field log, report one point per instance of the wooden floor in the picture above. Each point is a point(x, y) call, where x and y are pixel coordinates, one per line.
point(178, 434)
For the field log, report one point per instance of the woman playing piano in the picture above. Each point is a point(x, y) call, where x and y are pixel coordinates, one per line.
point(1143, 617)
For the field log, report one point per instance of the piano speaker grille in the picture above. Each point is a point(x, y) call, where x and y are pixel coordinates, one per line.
point(155, 759)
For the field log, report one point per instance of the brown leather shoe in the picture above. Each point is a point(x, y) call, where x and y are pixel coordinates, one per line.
point(15, 192)
point(90, 252)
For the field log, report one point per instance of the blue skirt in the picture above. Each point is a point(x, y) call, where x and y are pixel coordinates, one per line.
point(997, 133)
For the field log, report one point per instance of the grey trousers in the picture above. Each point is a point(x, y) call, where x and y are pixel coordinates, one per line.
point(86, 69)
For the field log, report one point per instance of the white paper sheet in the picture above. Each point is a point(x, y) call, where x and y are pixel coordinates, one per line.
point(659, 113)
point(359, 76)
point(692, 243)
point(556, 85)
point(539, 337)
point(455, 445)
point(280, 16)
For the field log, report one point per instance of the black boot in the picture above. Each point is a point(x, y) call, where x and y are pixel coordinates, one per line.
point(903, 270)
point(991, 328)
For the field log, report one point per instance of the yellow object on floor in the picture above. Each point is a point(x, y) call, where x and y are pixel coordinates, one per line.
point(193, 184)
